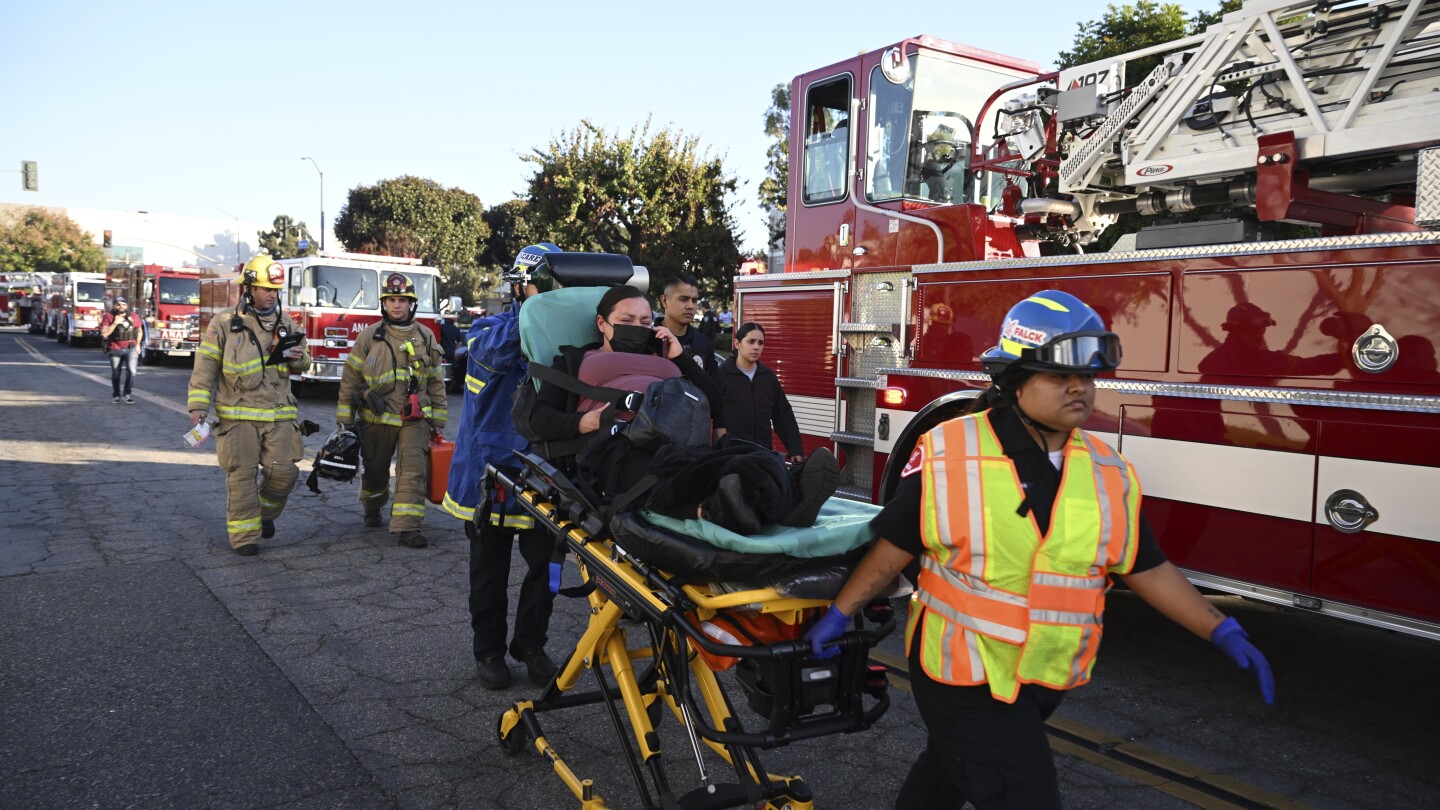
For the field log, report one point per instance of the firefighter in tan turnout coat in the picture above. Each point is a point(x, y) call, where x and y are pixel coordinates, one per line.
point(257, 431)
point(393, 383)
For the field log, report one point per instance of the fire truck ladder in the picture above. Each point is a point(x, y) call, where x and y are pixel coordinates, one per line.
point(1351, 80)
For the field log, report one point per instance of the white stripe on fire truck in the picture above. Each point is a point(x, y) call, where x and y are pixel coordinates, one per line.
point(1292, 486)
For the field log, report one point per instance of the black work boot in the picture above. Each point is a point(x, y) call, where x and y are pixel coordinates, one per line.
point(248, 550)
point(413, 540)
point(267, 528)
point(538, 667)
point(816, 479)
point(492, 672)
point(726, 507)
point(372, 519)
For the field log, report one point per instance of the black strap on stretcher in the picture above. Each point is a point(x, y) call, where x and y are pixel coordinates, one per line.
point(620, 400)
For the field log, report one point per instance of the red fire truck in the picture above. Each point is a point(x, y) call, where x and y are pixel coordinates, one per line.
point(168, 299)
point(74, 305)
point(333, 296)
point(1280, 398)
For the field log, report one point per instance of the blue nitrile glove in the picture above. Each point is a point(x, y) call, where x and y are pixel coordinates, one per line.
point(556, 568)
point(1232, 640)
point(830, 627)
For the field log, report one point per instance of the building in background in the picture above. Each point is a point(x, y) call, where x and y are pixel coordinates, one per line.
point(140, 237)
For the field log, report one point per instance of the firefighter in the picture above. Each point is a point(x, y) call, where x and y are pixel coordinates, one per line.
point(394, 377)
point(487, 435)
point(1025, 517)
point(251, 396)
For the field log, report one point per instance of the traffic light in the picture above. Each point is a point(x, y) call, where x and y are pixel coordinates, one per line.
point(107, 239)
point(31, 174)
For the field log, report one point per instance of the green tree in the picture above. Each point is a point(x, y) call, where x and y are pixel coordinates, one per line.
point(777, 160)
point(39, 241)
point(655, 197)
point(512, 229)
point(282, 241)
point(1127, 28)
point(417, 217)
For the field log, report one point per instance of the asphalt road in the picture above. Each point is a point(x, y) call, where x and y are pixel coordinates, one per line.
point(142, 664)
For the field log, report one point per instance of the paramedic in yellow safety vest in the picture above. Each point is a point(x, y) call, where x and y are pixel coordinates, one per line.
point(1018, 518)
point(251, 397)
point(394, 385)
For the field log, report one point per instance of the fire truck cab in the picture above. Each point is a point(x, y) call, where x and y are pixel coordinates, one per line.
point(1280, 398)
point(74, 305)
point(168, 301)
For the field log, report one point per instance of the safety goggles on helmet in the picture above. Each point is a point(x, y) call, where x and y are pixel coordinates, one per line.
point(1090, 352)
point(263, 271)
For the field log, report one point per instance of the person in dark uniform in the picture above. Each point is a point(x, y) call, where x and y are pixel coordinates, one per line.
point(754, 400)
point(678, 301)
point(1006, 616)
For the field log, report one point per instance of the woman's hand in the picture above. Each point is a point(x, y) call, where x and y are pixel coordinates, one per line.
point(590, 422)
point(671, 344)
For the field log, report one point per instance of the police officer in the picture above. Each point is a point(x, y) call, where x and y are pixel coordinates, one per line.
point(252, 399)
point(494, 368)
point(1025, 518)
point(394, 376)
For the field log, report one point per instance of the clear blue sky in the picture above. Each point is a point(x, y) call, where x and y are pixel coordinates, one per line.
point(145, 105)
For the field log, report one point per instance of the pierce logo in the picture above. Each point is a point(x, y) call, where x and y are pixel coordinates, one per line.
point(1014, 330)
point(1154, 170)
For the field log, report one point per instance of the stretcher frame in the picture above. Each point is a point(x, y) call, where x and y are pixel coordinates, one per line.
point(781, 680)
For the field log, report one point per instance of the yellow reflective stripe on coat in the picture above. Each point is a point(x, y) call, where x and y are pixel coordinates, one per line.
point(241, 414)
point(473, 384)
point(450, 506)
point(198, 400)
point(210, 350)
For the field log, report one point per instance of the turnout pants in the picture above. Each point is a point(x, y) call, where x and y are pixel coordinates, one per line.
point(490, 556)
point(243, 449)
point(993, 754)
point(409, 445)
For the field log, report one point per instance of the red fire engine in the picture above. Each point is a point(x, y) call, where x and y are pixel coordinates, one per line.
point(1280, 399)
point(74, 305)
point(168, 299)
point(333, 297)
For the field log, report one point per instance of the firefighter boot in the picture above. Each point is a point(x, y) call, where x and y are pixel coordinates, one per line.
point(267, 528)
point(373, 519)
point(413, 540)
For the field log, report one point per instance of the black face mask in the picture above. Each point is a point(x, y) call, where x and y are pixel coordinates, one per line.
point(632, 339)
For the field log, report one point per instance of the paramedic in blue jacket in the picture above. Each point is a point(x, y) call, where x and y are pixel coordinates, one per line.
point(494, 368)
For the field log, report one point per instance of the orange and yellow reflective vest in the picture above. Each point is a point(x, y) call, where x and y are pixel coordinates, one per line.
point(1002, 603)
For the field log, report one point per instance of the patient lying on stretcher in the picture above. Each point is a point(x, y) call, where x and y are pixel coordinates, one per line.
point(741, 486)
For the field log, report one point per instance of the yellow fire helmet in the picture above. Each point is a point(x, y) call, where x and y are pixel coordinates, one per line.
point(263, 271)
point(398, 285)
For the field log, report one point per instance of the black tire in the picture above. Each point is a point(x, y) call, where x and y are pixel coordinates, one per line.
point(63, 337)
point(149, 357)
point(514, 744)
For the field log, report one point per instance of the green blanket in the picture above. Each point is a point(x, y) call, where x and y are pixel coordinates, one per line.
point(843, 525)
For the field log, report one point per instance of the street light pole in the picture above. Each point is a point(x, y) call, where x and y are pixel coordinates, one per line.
point(322, 200)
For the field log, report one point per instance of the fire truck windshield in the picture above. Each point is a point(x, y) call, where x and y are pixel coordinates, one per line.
point(920, 136)
point(345, 287)
point(425, 290)
point(179, 290)
point(90, 291)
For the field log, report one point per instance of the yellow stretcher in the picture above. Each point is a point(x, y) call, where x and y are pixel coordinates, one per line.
point(660, 657)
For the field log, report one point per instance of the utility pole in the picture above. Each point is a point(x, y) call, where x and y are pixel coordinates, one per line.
point(322, 200)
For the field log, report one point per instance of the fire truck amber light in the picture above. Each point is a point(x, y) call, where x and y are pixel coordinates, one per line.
point(892, 397)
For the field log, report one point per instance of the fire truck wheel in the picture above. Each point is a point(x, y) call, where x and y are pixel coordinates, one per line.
point(149, 357)
point(63, 337)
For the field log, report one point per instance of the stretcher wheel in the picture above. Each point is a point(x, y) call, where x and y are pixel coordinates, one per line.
point(513, 744)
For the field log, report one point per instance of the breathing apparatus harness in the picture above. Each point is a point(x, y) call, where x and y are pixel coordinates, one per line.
point(237, 322)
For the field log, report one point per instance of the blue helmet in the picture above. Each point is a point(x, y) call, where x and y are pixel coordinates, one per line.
point(1053, 331)
point(530, 267)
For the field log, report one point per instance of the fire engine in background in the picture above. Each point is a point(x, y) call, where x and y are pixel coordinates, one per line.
point(333, 297)
point(74, 304)
point(1281, 399)
point(168, 300)
point(18, 294)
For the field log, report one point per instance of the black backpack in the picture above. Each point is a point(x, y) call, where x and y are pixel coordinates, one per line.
point(675, 411)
